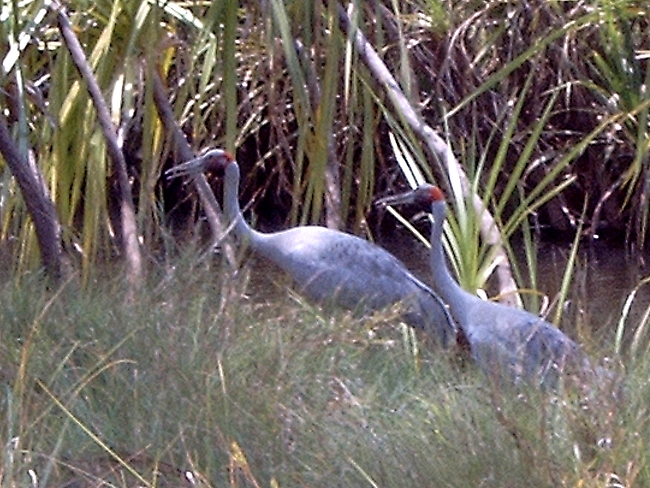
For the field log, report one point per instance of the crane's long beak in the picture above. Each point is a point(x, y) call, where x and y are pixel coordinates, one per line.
point(214, 159)
point(189, 168)
point(399, 199)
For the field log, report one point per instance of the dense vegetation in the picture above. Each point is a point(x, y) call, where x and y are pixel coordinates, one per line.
point(532, 98)
point(544, 104)
point(200, 385)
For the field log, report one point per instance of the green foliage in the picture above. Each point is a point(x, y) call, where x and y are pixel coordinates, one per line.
point(524, 114)
point(618, 74)
point(197, 378)
point(535, 100)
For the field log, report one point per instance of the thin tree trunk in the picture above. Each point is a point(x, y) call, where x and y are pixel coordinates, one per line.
point(130, 243)
point(333, 219)
point(438, 147)
point(38, 202)
point(210, 204)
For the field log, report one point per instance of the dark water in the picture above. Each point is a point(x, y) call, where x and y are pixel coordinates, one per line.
point(605, 276)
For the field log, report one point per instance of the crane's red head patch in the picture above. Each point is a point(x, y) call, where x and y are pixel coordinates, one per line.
point(215, 159)
point(436, 194)
point(427, 194)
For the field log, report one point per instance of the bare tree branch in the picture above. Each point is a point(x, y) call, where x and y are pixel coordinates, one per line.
point(38, 202)
point(129, 236)
point(210, 204)
point(438, 147)
point(333, 217)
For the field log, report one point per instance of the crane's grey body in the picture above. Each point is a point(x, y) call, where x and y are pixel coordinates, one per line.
point(505, 342)
point(511, 343)
point(333, 267)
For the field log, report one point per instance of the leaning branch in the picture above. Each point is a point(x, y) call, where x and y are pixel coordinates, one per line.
point(38, 202)
point(437, 146)
point(332, 179)
point(129, 236)
point(210, 204)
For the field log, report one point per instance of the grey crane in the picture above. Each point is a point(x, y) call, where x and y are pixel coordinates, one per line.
point(329, 266)
point(506, 342)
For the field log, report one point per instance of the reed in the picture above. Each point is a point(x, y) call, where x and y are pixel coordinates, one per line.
point(536, 92)
point(198, 380)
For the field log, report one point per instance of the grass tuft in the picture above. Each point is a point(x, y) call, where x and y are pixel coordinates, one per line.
point(200, 384)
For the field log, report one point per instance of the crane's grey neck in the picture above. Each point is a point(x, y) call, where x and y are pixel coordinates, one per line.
point(444, 283)
point(231, 206)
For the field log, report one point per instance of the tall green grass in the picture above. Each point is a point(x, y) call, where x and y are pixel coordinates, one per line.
point(280, 83)
point(198, 380)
